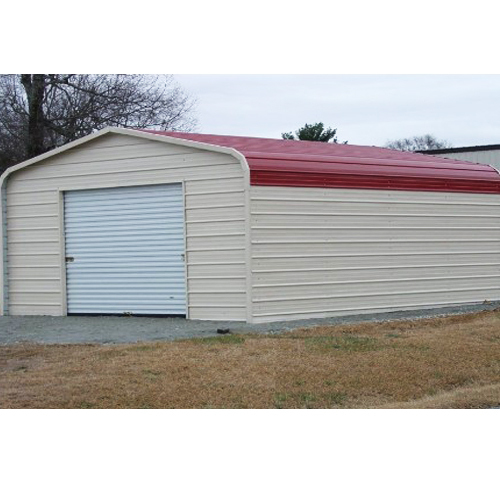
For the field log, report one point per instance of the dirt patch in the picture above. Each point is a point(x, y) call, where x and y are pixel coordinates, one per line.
point(449, 362)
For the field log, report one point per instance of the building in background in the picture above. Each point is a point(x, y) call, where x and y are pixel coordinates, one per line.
point(488, 154)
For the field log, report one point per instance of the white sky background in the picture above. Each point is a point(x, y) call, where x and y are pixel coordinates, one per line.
point(365, 109)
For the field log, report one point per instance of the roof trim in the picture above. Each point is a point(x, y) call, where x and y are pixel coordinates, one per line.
point(123, 131)
point(464, 149)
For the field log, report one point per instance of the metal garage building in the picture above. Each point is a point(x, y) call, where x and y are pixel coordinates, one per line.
point(220, 227)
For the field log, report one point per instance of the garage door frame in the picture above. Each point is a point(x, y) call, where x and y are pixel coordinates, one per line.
point(62, 238)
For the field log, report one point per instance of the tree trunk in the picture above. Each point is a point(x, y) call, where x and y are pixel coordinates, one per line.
point(34, 86)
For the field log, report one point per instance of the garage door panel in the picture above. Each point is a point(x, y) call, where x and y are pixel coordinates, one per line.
point(127, 246)
point(113, 226)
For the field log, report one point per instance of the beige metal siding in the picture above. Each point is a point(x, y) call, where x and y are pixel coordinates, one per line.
point(327, 252)
point(214, 213)
point(491, 157)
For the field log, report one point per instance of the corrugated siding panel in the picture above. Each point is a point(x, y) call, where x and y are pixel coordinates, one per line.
point(115, 160)
point(5, 261)
point(327, 252)
point(125, 260)
point(210, 312)
point(491, 157)
point(215, 228)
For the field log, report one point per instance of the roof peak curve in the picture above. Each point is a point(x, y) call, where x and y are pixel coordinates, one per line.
point(280, 162)
point(249, 144)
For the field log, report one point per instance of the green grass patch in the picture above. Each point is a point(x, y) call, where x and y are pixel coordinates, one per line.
point(223, 339)
point(114, 354)
point(348, 343)
point(336, 398)
point(417, 347)
point(394, 336)
point(144, 347)
point(85, 405)
point(151, 373)
point(281, 397)
point(305, 399)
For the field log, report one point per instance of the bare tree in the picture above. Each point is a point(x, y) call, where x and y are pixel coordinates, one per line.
point(418, 143)
point(41, 112)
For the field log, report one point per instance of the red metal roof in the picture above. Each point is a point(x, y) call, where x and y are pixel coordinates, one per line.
point(278, 162)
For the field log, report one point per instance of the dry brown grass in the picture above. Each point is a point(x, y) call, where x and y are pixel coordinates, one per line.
point(451, 362)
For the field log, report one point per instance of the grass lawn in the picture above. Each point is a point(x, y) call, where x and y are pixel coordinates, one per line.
point(451, 362)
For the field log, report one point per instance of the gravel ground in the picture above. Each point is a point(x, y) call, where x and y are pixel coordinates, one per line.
point(111, 329)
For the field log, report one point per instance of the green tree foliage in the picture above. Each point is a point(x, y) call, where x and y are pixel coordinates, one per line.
point(313, 132)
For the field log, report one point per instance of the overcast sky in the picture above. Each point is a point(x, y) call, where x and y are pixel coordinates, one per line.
point(366, 109)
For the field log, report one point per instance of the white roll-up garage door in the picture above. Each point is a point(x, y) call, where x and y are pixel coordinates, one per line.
point(125, 250)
